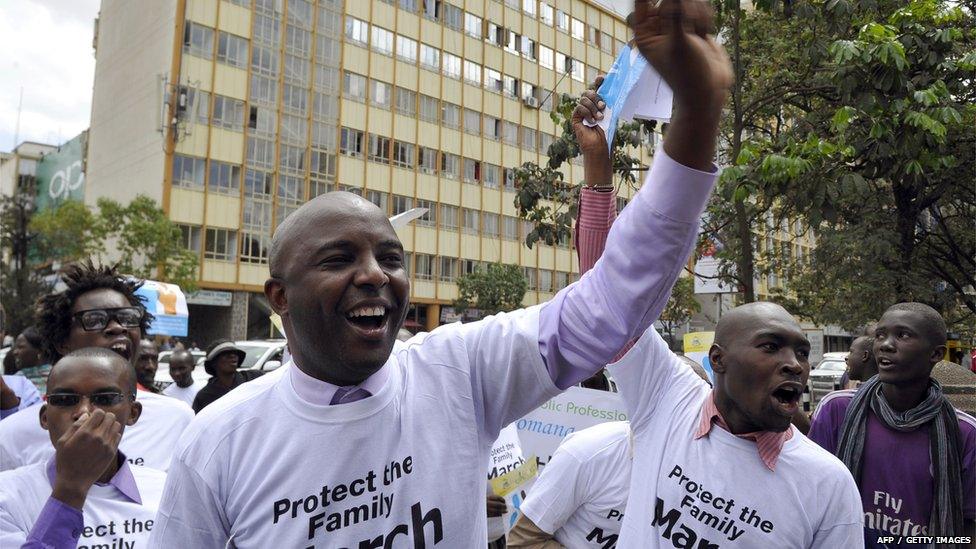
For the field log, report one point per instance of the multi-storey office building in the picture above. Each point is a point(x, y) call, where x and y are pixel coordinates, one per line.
point(232, 113)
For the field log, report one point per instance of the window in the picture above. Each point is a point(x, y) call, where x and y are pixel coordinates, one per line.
point(432, 9)
point(324, 135)
point(530, 274)
point(472, 72)
point(291, 158)
point(324, 106)
point(528, 6)
point(562, 280)
point(232, 50)
point(430, 57)
point(495, 34)
point(221, 244)
point(323, 165)
point(330, 21)
point(577, 68)
point(224, 178)
point(545, 13)
point(228, 113)
point(403, 154)
point(257, 184)
point(545, 56)
point(357, 31)
point(377, 197)
point(298, 41)
point(470, 220)
point(294, 129)
point(379, 93)
point(450, 115)
point(508, 176)
point(513, 42)
point(406, 102)
point(294, 99)
point(406, 49)
point(545, 140)
point(254, 247)
point(260, 152)
point(198, 40)
point(264, 61)
point(545, 280)
point(472, 170)
point(451, 66)
point(449, 217)
point(300, 12)
point(489, 224)
point(591, 74)
point(256, 215)
point(190, 237)
point(264, 90)
point(353, 86)
point(429, 219)
point(188, 171)
point(528, 48)
point(528, 139)
point(296, 69)
point(562, 21)
point(379, 148)
point(351, 142)
point(561, 65)
point(448, 269)
point(510, 227)
point(382, 40)
point(493, 80)
point(493, 127)
point(427, 160)
point(409, 5)
point(267, 30)
point(424, 269)
point(491, 176)
point(452, 16)
point(429, 108)
point(472, 25)
point(401, 204)
point(326, 48)
point(576, 28)
point(450, 165)
point(472, 121)
point(510, 86)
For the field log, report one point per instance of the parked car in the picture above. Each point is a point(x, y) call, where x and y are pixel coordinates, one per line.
point(262, 354)
point(826, 375)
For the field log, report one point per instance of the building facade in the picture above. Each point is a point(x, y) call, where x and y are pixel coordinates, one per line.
point(233, 113)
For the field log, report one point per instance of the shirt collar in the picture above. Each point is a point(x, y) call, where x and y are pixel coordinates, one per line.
point(123, 480)
point(768, 443)
point(318, 392)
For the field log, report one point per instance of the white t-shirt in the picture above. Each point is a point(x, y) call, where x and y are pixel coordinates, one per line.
point(581, 495)
point(404, 467)
point(716, 491)
point(150, 442)
point(111, 519)
point(186, 394)
point(505, 456)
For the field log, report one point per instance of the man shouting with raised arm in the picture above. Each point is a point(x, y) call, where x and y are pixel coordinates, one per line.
point(356, 444)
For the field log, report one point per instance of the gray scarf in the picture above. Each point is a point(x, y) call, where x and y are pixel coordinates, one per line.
point(944, 446)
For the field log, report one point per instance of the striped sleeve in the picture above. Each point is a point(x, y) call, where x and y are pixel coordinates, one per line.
point(597, 213)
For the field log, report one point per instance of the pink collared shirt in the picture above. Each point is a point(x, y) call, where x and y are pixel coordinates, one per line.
point(769, 443)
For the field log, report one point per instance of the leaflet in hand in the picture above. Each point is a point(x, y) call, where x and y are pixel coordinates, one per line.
point(632, 90)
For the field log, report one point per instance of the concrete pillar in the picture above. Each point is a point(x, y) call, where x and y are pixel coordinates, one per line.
point(433, 316)
point(238, 320)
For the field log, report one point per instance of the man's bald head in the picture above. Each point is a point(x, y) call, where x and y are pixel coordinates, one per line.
point(315, 215)
point(732, 323)
point(181, 356)
point(95, 358)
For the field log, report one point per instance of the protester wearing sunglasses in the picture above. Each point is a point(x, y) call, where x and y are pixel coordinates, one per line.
point(97, 308)
point(88, 482)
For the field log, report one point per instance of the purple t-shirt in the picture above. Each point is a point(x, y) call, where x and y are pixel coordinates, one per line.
point(896, 473)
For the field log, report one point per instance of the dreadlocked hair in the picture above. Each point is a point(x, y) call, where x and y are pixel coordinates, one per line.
point(53, 311)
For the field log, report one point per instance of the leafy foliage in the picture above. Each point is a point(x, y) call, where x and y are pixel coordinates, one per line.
point(20, 286)
point(681, 306)
point(494, 289)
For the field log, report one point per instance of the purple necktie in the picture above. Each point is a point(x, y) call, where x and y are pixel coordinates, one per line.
point(345, 395)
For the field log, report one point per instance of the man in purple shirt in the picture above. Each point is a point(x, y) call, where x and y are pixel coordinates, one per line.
point(913, 456)
point(90, 401)
point(339, 283)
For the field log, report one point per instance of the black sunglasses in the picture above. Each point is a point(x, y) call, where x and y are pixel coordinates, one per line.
point(102, 400)
point(93, 320)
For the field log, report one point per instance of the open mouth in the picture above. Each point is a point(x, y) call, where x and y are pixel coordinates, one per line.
point(121, 346)
point(787, 398)
point(885, 363)
point(369, 321)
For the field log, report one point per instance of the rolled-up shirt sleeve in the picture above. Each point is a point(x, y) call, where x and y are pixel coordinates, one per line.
point(58, 526)
point(584, 326)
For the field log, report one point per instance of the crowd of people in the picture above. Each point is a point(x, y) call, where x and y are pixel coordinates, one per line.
point(366, 440)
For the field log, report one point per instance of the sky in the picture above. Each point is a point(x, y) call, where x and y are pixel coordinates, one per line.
point(47, 51)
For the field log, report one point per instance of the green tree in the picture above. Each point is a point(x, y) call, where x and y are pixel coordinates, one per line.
point(20, 285)
point(144, 242)
point(896, 151)
point(494, 289)
point(681, 306)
